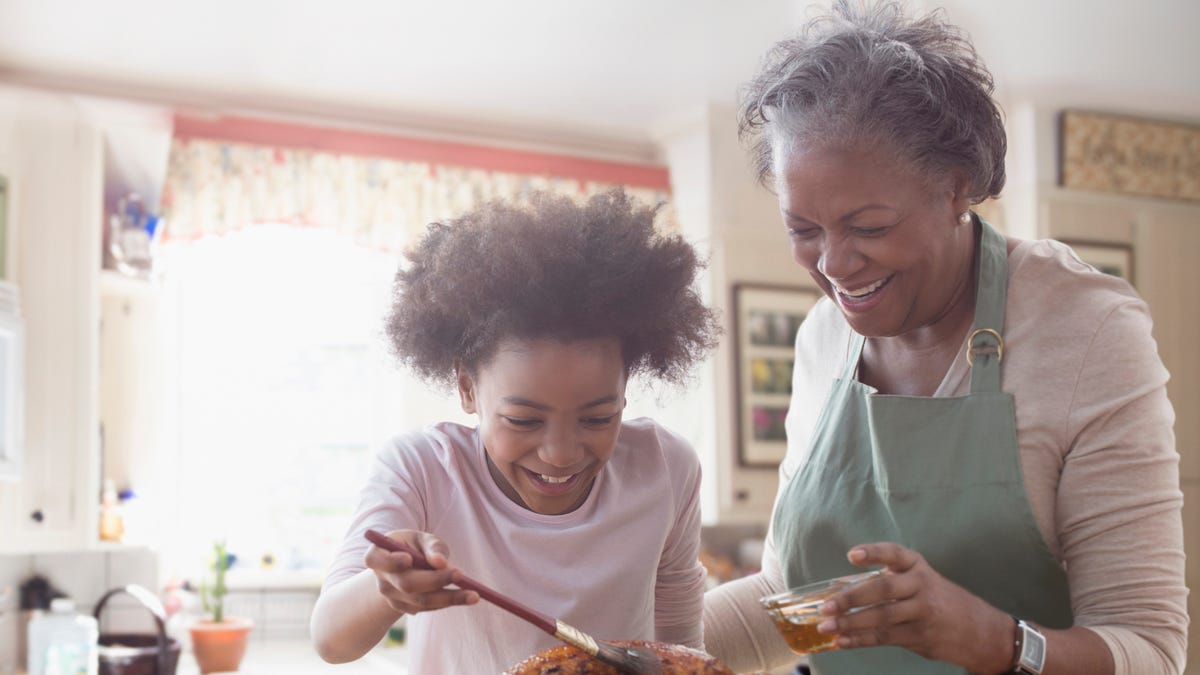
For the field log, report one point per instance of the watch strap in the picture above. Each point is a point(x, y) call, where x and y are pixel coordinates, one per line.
point(1018, 639)
point(1029, 649)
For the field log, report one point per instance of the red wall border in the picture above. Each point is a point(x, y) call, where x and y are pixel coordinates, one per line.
point(236, 129)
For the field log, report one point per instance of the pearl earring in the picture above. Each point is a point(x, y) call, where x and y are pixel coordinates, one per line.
point(965, 218)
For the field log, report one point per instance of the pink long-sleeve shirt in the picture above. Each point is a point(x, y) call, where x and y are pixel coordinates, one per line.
point(624, 565)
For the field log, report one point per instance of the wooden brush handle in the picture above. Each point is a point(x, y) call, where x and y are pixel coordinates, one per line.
point(467, 583)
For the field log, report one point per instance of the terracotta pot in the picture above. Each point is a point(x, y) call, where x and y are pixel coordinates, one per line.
point(219, 647)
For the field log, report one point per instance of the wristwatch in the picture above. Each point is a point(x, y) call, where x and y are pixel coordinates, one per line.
point(1029, 649)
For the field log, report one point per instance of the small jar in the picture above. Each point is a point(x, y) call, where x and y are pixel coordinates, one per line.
point(797, 611)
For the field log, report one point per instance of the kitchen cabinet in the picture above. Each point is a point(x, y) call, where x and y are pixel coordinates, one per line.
point(69, 152)
point(59, 156)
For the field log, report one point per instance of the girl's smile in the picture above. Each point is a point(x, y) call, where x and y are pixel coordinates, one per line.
point(549, 414)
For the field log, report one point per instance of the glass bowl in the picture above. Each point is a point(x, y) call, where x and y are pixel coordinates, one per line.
point(797, 611)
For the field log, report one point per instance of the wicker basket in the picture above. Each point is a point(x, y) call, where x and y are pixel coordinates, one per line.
point(138, 653)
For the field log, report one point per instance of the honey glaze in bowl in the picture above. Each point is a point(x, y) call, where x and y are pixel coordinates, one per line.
point(567, 660)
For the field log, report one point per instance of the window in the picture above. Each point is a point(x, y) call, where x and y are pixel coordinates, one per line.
point(285, 389)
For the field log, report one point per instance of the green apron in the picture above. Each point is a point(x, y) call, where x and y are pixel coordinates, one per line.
point(941, 476)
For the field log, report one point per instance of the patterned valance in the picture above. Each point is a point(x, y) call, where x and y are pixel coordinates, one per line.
point(215, 186)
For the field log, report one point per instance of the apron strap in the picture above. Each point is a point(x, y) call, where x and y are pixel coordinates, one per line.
point(985, 346)
point(853, 355)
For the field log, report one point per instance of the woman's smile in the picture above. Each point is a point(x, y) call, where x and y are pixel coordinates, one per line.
point(861, 298)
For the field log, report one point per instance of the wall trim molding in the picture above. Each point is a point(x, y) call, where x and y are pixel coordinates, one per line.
point(216, 100)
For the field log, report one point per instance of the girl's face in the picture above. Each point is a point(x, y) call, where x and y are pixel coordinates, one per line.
point(549, 414)
point(880, 241)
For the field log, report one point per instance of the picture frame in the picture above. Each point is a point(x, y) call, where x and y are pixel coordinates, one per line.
point(1121, 154)
point(1109, 257)
point(765, 321)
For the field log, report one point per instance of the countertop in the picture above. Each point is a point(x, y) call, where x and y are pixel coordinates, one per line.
point(297, 657)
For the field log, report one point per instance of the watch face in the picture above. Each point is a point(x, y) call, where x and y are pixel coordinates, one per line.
point(1033, 649)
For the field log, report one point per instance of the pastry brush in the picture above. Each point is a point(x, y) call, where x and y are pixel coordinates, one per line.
point(625, 659)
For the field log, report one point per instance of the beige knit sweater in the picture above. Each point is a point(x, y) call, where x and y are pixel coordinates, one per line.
point(1097, 452)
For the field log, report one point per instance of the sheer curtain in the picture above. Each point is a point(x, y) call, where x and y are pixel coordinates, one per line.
point(214, 187)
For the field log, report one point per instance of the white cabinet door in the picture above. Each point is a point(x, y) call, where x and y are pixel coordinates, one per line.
point(12, 332)
point(59, 155)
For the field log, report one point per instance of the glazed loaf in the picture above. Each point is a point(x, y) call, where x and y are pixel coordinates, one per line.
point(567, 660)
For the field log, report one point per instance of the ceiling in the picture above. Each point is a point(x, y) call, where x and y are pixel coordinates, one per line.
point(614, 71)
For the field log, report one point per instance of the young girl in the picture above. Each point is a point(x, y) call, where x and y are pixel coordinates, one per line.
point(538, 315)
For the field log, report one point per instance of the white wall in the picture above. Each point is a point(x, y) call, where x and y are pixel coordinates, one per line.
point(738, 222)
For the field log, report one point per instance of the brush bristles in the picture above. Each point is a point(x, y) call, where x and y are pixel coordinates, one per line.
point(625, 659)
point(630, 660)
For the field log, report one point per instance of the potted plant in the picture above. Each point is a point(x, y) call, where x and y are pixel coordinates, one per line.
point(219, 641)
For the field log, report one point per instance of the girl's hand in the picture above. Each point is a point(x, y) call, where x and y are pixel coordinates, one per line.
point(914, 607)
point(410, 590)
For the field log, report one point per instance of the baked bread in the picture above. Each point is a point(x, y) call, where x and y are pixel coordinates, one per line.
point(567, 660)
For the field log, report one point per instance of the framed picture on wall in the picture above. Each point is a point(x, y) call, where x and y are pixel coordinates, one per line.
point(765, 321)
point(1108, 257)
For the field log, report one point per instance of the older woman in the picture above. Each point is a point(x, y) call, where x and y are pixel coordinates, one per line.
point(985, 418)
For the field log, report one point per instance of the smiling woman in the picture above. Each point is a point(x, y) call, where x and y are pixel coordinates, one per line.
point(985, 417)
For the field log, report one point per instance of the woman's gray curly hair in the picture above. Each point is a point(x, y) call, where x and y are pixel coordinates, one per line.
point(868, 74)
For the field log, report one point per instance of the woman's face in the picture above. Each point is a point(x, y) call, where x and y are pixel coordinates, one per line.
point(549, 413)
point(883, 243)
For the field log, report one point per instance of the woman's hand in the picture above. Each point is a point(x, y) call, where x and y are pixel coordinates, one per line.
point(408, 589)
point(920, 610)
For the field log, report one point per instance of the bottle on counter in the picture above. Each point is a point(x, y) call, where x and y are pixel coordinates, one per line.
point(62, 642)
point(112, 526)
